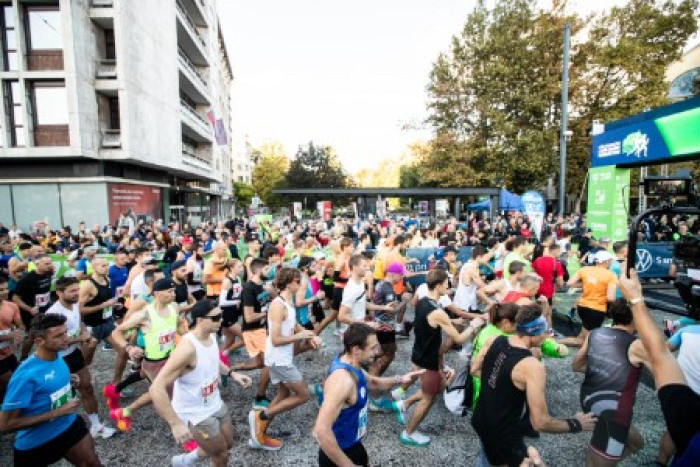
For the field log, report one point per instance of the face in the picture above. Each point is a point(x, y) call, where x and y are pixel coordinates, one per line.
point(264, 272)
point(211, 325)
point(101, 267)
point(238, 268)
point(44, 266)
point(120, 260)
point(360, 269)
point(165, 296)
point(180, 273)
point(70, 295)
point(55, 339)
point(372, 350)
point(4, 291)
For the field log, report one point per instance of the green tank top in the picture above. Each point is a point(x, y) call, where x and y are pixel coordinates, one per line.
point(160, 339)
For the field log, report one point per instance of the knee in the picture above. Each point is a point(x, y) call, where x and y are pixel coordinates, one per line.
point(304, 396)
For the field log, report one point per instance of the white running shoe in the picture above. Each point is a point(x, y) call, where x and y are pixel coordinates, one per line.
point(414, 439)
point(401, 413)
point(181, 461)
point(398, 394)
point(101, 431)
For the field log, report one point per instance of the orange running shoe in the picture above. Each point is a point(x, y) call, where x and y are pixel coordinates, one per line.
point(122, 419)
point(269, 444)
point(112, 396)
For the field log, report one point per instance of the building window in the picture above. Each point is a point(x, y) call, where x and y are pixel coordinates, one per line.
point(9, 36)
point(44, 31)
point(114, 123)
point(50, 113)
point(110, 47)
point(13, 107)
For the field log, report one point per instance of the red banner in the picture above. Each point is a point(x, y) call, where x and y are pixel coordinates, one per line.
point(143, 201)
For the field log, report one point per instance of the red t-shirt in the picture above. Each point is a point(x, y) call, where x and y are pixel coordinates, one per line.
point(513, 296)
point(545, 267)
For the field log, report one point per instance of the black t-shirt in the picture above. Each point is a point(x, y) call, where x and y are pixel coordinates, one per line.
point(35, 290)
point(255, 296)
point(171, 254)
point(233, 249)
point(426, 347)
point(181, 293)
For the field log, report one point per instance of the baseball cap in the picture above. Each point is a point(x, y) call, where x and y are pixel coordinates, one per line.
point(395, 268)
point(163, 284)
point(178, 264)
point(201, 308)
point(603, 256)
point(251, 237)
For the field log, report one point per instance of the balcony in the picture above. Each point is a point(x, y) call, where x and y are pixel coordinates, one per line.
point(194, 125)
point(101, 3)
point(189, 38)
point(102, 13)
point(44, 60)
point(197, 11)
point(111, 139)
point(106, 69)
point(191, 82)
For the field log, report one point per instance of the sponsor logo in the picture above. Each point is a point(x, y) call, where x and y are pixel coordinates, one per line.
point(644, 260)
point(636, 144)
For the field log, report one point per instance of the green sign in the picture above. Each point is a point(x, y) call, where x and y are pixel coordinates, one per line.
point(608, 202)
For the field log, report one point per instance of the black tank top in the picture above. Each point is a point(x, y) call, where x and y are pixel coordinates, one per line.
point(501, 404)
point(611, 380)
point(104, 293)
point(234, 293)
point(181, 292)
point(426, 346)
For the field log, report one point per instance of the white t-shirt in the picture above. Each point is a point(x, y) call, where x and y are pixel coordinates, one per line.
point(72, 324)
point(422, 291)
point(355, 298)
point(138, 287)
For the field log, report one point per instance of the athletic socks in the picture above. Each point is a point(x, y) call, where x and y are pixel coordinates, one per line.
point(94, 419)
point(128, 381)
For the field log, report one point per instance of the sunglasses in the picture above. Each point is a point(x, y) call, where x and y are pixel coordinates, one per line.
point(215, 318)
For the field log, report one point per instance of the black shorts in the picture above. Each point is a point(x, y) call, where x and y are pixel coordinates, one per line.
point(386, 337)
point(356, 453)
point(75, 360)
point(53, 450)
point(609, 436)
point(678, 404)
point(230, 315)
point(337, 298)
point(317, 311)
point(309, 326)
point(199, 294)
point(26, 319)
point(8, 363)
point(590, 318)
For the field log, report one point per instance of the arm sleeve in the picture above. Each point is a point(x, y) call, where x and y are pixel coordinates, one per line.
point(676, 340)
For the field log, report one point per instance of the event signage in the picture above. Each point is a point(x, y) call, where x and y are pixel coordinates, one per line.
point(144, 202)
point(608, 202)
point(535, 208)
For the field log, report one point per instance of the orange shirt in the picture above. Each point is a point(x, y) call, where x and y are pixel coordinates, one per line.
point(213, 289)
point(595, 282)
point(9, 315)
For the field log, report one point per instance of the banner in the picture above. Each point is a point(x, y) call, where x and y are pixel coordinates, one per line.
point(654, 259)
point(535, 208)
point(608, 202)
point(143, 201)
point(423, 207)
point(325, 210)
point(441, 207)
point(296, 210)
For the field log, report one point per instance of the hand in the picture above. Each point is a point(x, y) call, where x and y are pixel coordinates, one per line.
point(17, 336)
point(243, 380)
point(181, 433)
point(307, 334)
point(109, 303)
point(629, 286)
point(542, 299)
point(537, 353)
point(533, 458)
point(372, 324)
point(67, 408)
point(477, 323)
point(135, 352)
point(410, 376)
point(74, 380)
point(315, 342)
point(587, 420)
point(321, 295)
point(34, 311)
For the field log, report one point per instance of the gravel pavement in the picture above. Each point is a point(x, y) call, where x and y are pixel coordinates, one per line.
point(150, 443)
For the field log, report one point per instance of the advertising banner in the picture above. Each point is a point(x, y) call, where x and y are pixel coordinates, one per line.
point(441, 207)
point(423, 207)
point(325, 209)
point(654, 259)
point(296, 210)
point(144, 202)
point(608, 202)
point(535, 208)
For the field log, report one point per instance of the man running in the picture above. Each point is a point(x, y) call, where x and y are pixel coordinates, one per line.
point(96, 303)
point(283, 333)
point(430, 322)
point(183, 298)
point(514, 380)
point(33, 295)
point(340, 279)
point(11, 335)
point(159, 323)
point(342, 419)
point(197, 411)
point(39, 406)
point(470, 280)
point(518, 253)
point(68, 290)
point(498, 289)
point(612, 360)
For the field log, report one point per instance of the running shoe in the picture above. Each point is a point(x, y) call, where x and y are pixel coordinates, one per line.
point(110, 392)
point(401, 412)
point(317, 390)
point(269, 444)
point(180, 461)
point(261, 404)
point(257, 427)
point(122, 419)
point(224, 358)
point(101, 431)
point(382, 405)
point(414, 439)
point(398, 394)
point(189, 446)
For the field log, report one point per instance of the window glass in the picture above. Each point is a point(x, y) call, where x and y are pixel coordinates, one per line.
point(14, 85)
point(18, 116)
point(8, 16)
point(36, 202)
point(51, 105)
point(20, 141)
point(11, 61)
point(45, 31)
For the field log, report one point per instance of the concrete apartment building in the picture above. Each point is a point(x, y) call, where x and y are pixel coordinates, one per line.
point(113, 105)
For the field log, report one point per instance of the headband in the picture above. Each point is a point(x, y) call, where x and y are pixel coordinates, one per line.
point(534, 328)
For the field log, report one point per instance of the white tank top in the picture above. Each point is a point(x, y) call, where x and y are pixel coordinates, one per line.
point(465, 295)
point(196, 277)
point(196, 394)
point(281, 355)
point(72, 324)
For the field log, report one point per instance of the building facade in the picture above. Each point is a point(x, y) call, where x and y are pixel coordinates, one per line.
point(113, 105)
point(684, 75)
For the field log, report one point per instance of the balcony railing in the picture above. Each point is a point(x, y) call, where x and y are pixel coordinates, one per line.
point(102, 3)
point(111, 139)
point(107, 69)
point(192, 113)
point(187, 63)
point(190, 24)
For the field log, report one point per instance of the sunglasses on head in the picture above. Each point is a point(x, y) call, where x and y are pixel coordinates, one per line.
point(214, 318)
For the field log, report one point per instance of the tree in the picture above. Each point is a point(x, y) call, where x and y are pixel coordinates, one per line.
point(269, 172)
point(316, 166)
point(243, 193)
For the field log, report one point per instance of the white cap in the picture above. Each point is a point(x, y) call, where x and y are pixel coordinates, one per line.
point(603, 256)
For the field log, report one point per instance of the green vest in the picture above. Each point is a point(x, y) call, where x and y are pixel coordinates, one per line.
point(160, 338)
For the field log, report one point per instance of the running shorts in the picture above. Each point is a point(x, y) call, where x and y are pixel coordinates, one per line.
point(53, 450)
point(104, 330)
point(590, 318)
point(284, 374)
point(255, 341)
point(337, 298)
point(230, 315)
point(75, 361)
point(356, 453)
point(8, 363)
point(609, 437)
point(432, 382)
point(210, 427)
point(678, 401)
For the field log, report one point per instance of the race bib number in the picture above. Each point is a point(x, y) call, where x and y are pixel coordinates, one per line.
point(42, 300)
point(237, 290)
point(166, 340)
point(209, 391)
point(119, 292)
point(362, 423)
point(4, 344)
point(197, 275)
point(61, 397)
point(73, 333)
point(107, 312)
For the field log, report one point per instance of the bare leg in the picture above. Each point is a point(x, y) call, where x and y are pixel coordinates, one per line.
point(289, 396)
point(87, 394)
point(83, 454)
point(332, 316)
point(424, 405)
point(254, 363)
point(263, 382)
point(666, 448)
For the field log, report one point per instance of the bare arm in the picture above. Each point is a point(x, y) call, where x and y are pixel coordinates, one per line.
point(439, 318)
point(251, 316)
point(10, 421)
point(87, 293)
point(338, 391)
point(23, 306)
point(275, 317)
point(132, 322)
point(574, 280)
point(581, 359)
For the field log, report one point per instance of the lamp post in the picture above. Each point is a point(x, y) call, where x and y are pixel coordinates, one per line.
point(564, 118)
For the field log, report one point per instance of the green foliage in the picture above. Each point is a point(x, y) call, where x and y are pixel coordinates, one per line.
point(269, 172)
point(316, 166)
point(243, 192)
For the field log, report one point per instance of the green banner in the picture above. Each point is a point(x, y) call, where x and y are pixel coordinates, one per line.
point(608, 202)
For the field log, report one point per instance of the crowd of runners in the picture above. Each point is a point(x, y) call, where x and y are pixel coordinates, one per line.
point(178, 306)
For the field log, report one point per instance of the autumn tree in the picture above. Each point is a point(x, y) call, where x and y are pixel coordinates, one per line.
point(271, 164)
point(316, 166)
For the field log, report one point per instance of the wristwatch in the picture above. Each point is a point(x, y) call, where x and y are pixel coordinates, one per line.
point(636, 300)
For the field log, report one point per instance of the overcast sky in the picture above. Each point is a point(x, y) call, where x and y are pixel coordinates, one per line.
point(348, 74)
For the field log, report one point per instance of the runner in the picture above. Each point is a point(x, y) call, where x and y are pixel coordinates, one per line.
point(197, 411)
point(520, 247)
point(430, 322)
point(340, 278)
point(33, 295)
point(470, 280)
point(599, 286)
point(159, 323)
point(184, 299)
point(612, 360)
point(550, 270)
point(501, 287)
point(305, 297)
point(342, 419)
point(39, 407)
point(11, 335)
point(96, 302)
point(283, 333)
point(515, 381)
point(195, 268)
point(135, 285)
point(214, 270)
point(17, 265)
point(230, 303)
point(68, 290)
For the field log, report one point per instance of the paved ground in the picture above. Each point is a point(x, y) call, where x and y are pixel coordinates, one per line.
point(454, 442)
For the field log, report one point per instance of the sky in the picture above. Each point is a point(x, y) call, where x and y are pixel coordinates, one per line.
point(351, 75)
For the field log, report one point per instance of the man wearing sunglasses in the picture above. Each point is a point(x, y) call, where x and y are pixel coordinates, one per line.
point(197, 411)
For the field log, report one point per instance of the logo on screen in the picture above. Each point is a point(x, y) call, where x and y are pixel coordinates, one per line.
point(644, 260)
point(635, 144)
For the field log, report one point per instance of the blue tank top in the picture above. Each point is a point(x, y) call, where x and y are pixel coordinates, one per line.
point(351, 425)
point(303, 311)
